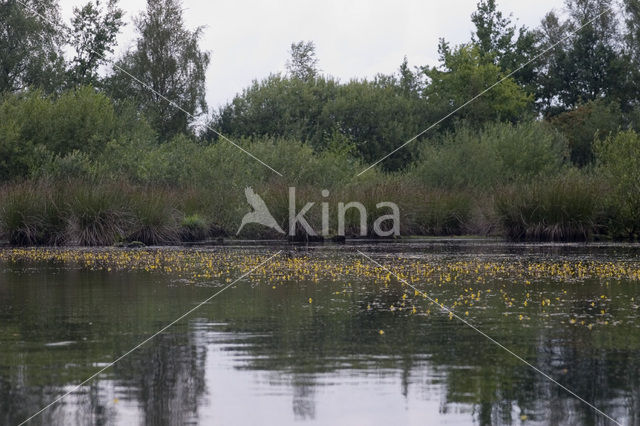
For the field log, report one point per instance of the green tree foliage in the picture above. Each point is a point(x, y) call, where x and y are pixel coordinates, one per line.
point(410, 82)
point(502, 43)
point(92, 36)
point(373, 117)
point(591, 121)
point(494, 32)
point(589, 63)
point(302, 63)
point(632, 40)
point(463, 74)
point(280, 107)
point(632, 21)
point(67, 131)
point(378, 116)
point(168, 59)
point(30, 48)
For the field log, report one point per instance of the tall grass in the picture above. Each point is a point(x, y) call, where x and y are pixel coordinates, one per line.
point(563, 208)
point(567, 207)
point(96, 217)
point(76, 213)
point(155, 217)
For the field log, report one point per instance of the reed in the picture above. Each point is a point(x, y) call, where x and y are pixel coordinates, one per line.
point(563, 208)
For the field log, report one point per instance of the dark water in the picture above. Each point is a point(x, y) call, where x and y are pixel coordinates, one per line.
point(259, 355)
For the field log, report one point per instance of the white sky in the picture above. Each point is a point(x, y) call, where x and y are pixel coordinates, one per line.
point(249, 39)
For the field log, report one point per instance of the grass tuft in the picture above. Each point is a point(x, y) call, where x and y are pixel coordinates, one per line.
point(563, 208)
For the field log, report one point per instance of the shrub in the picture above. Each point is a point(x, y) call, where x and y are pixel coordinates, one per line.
point(74, 165)
point(499, 154)
point(618, 161)
point(35, 127)
point(193, 228)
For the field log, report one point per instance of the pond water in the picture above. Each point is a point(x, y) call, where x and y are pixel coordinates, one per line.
point(319, 335)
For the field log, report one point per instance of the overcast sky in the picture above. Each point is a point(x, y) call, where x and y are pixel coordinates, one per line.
point(249, 39)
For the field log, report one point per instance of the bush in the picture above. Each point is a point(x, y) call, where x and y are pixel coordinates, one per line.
point(376, 116)
point(498, 154)
point(36, 130)
point(193, 228)
point(74, 165)
point(618, 161)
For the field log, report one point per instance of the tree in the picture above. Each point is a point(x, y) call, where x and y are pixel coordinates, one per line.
point(280, 107)
point(377, 118)
point(303, 63)
point(502, 43)
point(549, 83)
point(462, 75)
point(370, 117)
point(589, 63)
point(618, 159)
point(92, 36)
point(632, 39)
point(168, 59)
point(409, 81)
point(494, 33)
point(586, 124)
point(632, 21)
point(30, 47)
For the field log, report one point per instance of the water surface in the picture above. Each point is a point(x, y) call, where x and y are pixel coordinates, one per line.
point(347, 348)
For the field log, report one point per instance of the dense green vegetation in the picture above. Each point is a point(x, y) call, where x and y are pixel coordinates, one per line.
point(550, 153)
